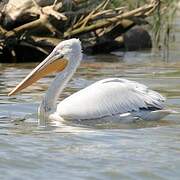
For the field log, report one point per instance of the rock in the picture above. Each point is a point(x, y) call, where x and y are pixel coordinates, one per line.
point(137, 38)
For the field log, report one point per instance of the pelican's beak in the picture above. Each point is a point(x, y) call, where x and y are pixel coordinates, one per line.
point(50, 65)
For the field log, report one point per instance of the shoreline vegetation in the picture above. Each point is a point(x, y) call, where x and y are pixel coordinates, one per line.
point(30, 29)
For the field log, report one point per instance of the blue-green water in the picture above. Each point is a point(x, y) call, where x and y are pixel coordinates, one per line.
point(142, 150)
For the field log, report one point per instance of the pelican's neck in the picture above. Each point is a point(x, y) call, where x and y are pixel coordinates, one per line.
point(48, 103)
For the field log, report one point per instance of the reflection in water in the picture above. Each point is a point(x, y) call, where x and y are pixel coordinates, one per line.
point(89, 149)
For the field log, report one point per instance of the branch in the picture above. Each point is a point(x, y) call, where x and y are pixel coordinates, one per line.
point(141, 11)
point(43, 20)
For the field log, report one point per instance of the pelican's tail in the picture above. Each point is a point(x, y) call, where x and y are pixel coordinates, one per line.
point(175, 112)
point(156, 115)
point(170, 111)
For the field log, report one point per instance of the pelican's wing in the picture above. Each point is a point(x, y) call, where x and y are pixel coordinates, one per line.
point(109, 97)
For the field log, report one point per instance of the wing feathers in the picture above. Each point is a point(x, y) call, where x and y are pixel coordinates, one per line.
point(109, 97)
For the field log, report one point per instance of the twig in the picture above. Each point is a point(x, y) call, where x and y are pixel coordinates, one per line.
point(105, 4)
point(35, 47)
point(27, 26)
point(52, 29)
point(98, 15)
point(106, 22)
point(85, 20)
point(36, 4)
point(2, 30)
point(48, 10)
point(55, 1)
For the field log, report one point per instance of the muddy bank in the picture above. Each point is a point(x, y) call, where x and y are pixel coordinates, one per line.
point(30, 29)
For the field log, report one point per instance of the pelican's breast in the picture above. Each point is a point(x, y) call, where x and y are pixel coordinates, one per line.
point(84, 104)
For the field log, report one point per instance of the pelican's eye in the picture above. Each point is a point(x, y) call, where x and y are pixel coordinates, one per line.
point(58, 54)
point(61, 56)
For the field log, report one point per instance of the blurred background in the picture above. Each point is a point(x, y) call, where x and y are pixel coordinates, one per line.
point(137, 40)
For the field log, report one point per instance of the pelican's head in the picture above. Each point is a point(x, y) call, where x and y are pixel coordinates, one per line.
point(69, 50)
point(66, 53)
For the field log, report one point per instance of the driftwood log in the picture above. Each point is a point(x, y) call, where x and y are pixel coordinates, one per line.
point(30, 29)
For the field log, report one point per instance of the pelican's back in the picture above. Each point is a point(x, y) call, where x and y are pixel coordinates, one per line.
point(109, 97)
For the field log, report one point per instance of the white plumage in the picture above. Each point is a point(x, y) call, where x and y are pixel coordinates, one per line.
point(113, 98)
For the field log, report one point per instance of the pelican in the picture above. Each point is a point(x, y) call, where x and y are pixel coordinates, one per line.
point(113, 98)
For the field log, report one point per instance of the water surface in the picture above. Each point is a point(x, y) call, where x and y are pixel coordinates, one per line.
point(142, 150)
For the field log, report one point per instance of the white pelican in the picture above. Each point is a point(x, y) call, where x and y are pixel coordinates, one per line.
point(113, 98)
